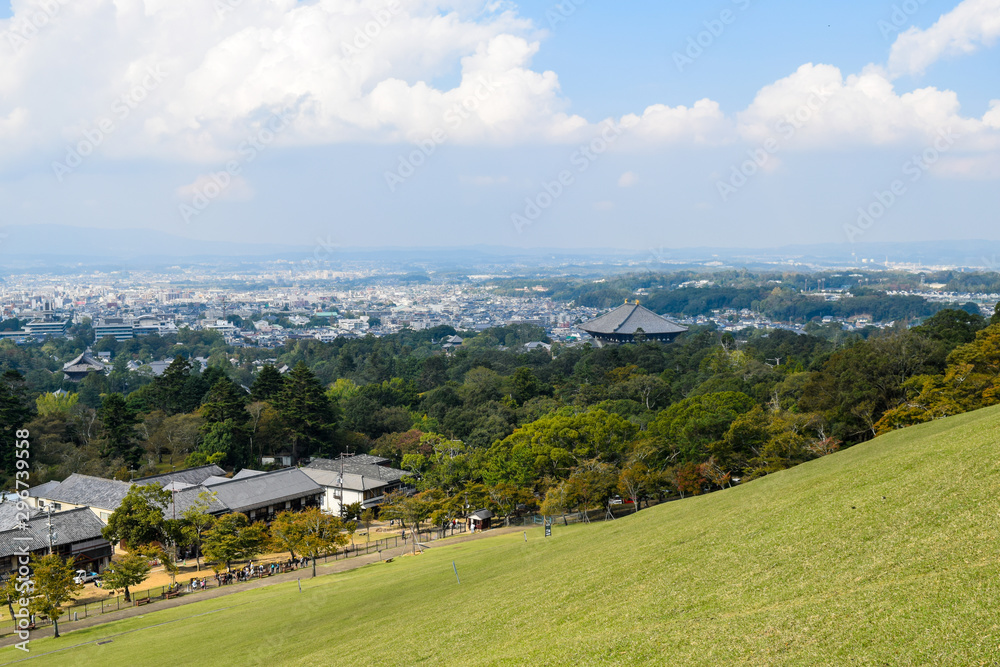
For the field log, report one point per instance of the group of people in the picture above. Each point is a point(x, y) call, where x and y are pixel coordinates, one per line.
point(302, 561)
point(250, 571)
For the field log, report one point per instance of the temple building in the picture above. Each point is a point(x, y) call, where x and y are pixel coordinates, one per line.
point(79, 368)
point(630, 323)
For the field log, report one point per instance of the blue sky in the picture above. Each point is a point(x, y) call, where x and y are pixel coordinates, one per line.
point(505, 102)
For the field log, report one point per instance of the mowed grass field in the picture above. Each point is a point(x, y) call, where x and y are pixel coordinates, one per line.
point(884, 554)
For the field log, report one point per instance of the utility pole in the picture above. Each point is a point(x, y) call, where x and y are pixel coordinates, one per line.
point(340, 481)
point(53, 536)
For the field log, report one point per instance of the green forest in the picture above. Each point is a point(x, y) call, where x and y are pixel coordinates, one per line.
point(565, 429)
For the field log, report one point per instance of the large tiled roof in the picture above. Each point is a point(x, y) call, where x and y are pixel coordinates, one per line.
point(361, 464)
point(97, 492)
point(241, 495)
point(83, 363)
point(188, 476)
point(42, 489)
point(331, 479)
point(247, 472)
point(70, 527)
point(629, 318)
point(250, 492)
point(186, 498)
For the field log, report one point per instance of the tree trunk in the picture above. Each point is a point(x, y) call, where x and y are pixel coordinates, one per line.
point(128, 597)
point(55, 625)
point(314, 565)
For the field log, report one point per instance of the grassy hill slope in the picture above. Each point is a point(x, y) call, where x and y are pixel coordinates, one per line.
point(886, 553)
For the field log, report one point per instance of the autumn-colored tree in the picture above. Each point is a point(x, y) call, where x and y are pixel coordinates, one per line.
point(632, 480)
point(234, 537)
point(322, 533)
point(970, 381)
point(287, 533)
point(687, 479)
point(54, 587)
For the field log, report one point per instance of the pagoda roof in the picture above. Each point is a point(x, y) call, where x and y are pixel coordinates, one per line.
point(629, 318)
point(83, 363)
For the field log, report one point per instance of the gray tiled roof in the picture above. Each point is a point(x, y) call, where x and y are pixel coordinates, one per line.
point(628, 318)
point(42, 489)
point(360, 465)
point(331, 479)
point(8, 515)
point(241, 495)
point(247, 472)
point(82, 363)
point(97, 492)
point(72, 526)
point(188, 497)
point(251, 492)
point(188, 476)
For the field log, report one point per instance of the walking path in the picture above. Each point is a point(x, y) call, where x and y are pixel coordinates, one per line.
point(67, 626)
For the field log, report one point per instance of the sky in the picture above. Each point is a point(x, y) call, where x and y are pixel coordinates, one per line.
point(574, 124)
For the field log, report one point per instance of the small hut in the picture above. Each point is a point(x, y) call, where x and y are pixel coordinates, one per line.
point(480, 520)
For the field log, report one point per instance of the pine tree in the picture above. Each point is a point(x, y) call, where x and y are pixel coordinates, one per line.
point(225, 400)
point(306, 411)
point(15, 411)
point(267, 385)
point(119, 429)
point(170, 386)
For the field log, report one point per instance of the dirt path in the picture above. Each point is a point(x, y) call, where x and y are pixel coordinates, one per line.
point(67, 626)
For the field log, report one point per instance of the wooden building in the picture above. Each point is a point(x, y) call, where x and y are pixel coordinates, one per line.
point(630, 323)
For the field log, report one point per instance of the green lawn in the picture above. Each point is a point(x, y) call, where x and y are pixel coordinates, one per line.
point(884, 554)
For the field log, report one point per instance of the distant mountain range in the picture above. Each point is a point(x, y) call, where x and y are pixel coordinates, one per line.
point(65, 247)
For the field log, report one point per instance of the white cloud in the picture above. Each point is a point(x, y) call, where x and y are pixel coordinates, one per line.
point(972, 24)
point(628, 179)
point(992, 117)
point(817, 107)
point(702, 123)
point(371, 71)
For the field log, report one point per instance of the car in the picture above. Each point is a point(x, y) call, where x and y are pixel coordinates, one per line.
point(84, 577)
